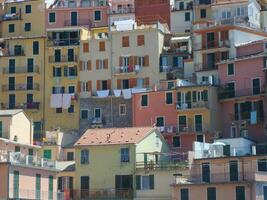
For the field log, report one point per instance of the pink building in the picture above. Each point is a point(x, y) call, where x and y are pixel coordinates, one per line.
point(242, 92)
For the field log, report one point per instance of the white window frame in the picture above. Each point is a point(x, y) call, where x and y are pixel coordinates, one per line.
point(55, 18)
point(100, 112)
point(84, 87)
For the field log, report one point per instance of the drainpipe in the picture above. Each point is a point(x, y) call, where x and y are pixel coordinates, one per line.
point(44, 88)
point(8, 169)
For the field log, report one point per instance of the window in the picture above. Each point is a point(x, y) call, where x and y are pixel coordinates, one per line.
point(182, 124)
point(30, 65)
point(141, 61)
point(140, 40)
point(30, 152)
point(102, 46)
point(262, 165)
point(85, 183)
point(58, 110)
point(256, 86)
point(13, 10)
point(200, 138)
point(144, 100)
point(56, 71)
point(230, 69)
point(70, 156)
point(97, 15)
point(58, 90)
point(27, 27)
point(122, 109)
point(176, 141)
point(187, 16)
point(160, 121)
point(84, 156)
point(84, 114)
point(233, 166)
point(145, 182)
point(50, 187)
point(71, 89)
point(71, 109)
point(231, 89)
point(35, 46)
point(85, 47)
point(38, 186)
point(125, 41)
point(47, 153)
point(206, 173)
point(85, 86)
point(202, 13)
point(211, 193)
point(17, 148)
point(52, 17)
point(125, 84)
point(240, 193)
point(184, 194)
point(16, 185)
point(198, 123)
point(28, 9)
point(169, 98)
point(11, 28)
point(125, 156)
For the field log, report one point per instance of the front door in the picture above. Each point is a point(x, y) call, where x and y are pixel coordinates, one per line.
point(74, 18)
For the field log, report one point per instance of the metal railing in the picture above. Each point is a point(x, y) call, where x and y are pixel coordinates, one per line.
point(63, 42)
point(212, 45)
point(122, 10)
point(9, 17)
point(20, 87)
point(27, 106)
point(227, 93)
point(205, 67)
point(161, 165)
point(21, 70)
point(127, 69)
point(53, 59)
point(191, 105)
point(191, 128)
point(80, 22)
point(108, 193)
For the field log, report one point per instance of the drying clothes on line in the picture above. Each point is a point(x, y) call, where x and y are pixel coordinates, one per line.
point(138, 90)
point(66, 101)
point(102, 93)
point(56, 101)
point(117, 93)
point(127, 93)
point(253, 117)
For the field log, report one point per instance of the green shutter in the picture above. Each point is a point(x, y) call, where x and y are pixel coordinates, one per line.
point(47, 154)
point(151, 182)
point(50, 187)
point(138, 182)
point(38, 186)
point(16, 185)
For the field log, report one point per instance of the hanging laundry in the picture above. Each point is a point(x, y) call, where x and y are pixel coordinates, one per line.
point(56, 101)
point(253, 117)
point(66, 102)
point(138, 90)
point(127, 93)
point(102, 93)
point(117, 93)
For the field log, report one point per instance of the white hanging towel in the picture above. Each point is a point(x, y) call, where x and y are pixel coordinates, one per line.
point(127, 93)
point(56, 101)
point(66, 102)
point(138, 90)
point(117, 93)
point(102, 93)
point(253, 117)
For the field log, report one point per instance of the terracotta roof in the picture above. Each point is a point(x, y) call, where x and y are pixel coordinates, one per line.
point(109, 136)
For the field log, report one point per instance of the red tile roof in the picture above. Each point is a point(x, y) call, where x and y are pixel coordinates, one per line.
point(109, 136)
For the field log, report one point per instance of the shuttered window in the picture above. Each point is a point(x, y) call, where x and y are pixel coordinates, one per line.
point(211, 193)
point(145, 182)
point(184, 194)
point(125, 41)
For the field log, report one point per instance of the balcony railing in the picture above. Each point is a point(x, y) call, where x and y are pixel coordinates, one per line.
point(227, 93)
point(53, 59)
point(205, 67)
point(127, 69)
point(203, 2)
point(8, 52)
point(108, 193)
point(192, 105)
point(97, 120)
point(20, 87)
point(122, 10)
point(26, 106)
point(63, 42)
point(21, 70)
point(212, 45)
point(161, 165)
point(183, 128)
point(81, 22)
point(9, 17)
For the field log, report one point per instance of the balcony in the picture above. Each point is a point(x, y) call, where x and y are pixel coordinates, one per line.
point(27, 160)
point(177, 7)
point(125, 10)
point(63, 42)
point(212, 45)
point(20, 87)
point(127, 70)
point(162, 165)
point(21, 70)
point(108, 193)
point(197, 128)
point(24, 106)
point(63, 59)
point(81, 22)
point(10, 53)
point(97, 122)
point(192, 105)
point(228, 93)
point(203, 2)
point(165, 68)
point(9, 17)
point(205, 67)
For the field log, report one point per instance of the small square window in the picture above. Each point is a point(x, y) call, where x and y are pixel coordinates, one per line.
point(71, 89)
point(140, 40)
point(71, 109)
point(122, 109)
point(27, 27)
point(160, 122)
point(28, 9)
point(11, 28)
point(203, 13)
point(187, 16)
point(125, 41)
point(169, 98)
point(84, 114)
point(144, 100)
point(13, 10)
point(200, 138)
point(58, 110)
point(97, 15)
point(52, 17)
point(230, 69)
point(125, 156)
point(176, 141)
point(70, 156)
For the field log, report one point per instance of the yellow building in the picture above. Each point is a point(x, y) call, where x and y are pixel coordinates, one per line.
point(62, 77)
point(22, 59)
